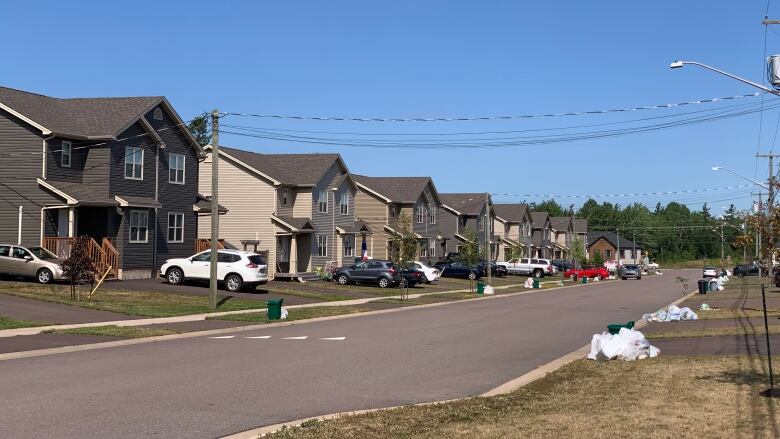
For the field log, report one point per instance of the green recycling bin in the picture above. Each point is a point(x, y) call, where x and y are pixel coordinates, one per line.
point(480, 287)
point(274, 309)
point(615, 327)
point(536, 283)
point(585, 279)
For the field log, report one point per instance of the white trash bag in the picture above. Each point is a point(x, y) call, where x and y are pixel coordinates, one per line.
point(529, 283)
point(627, 345)
point(283, 313)
point(488, 290)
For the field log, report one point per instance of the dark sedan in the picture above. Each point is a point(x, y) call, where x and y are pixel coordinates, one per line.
point(376, 272)
point(413, 276)
point(562, 264)
point(459, 269)
point(743, 270)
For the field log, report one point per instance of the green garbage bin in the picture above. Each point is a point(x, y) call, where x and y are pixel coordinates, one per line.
point(480, 287)
point(584, 279)
point(536, 283)
point(615, 328)
point(274, 309)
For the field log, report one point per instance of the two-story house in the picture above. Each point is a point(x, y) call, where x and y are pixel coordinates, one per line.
point(541, 235)
point(613, 247)
point(297, 209)
point(581, 231)
point(463, 212)
point(381, 201)
point(562, 234)
point(513, 226)
point(122, 171)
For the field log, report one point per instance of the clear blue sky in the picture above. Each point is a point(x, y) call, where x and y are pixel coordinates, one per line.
point(427, 59)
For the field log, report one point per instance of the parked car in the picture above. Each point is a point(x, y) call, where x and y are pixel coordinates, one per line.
point(529, 267)
point(495, 269)
point(710, 272)
point(236, 269)
point(431, 274)
point(653, 265)
point(31, 262)
point(590, 272)
point(562, 264)
point(376, 271)
point(630, 270)
point(743, 270)
point(459, 269)
point(412, 277)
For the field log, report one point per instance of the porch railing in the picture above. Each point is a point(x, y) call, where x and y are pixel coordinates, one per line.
point(203, 244)
point(104, 256)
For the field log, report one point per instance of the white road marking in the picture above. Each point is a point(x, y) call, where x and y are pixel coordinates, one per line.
point(224, 336)
point(334, 338)
point(304, 337)
point(260, 336)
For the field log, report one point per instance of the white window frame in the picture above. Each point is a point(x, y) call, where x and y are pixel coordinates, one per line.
point(322, 246)
point(175, 228)
point(480, 224)
point(391, 208)
point(349, 250)
point(285, 194)
point(424, 250)
point(432, 215)
point(140, 225)
point(128, 159)
point(420, 214)
point(175, 157)
point(69, 155)
point(344, 203)
point(321, 203)
point(432, 248)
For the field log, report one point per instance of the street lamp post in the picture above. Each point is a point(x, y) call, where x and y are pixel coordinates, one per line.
point(680, 64)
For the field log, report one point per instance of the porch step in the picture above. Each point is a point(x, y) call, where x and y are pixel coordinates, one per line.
point(307, 277)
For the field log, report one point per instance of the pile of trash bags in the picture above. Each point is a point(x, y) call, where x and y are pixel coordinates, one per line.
point(671, 314)
point(627, 345)
point(529, 283)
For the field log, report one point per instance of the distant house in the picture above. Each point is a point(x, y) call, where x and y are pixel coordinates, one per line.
point(541, 235)
point(613, 247)
point(464, 212)
point(380, 202)
point(562, 234)
point(513, 227)
point(122, 171)
point(296, 209)
point(581, 231)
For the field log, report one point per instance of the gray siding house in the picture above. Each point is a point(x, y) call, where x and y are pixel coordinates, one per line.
point(513, 226)
point(464, 212)
point(541, 235)
point(123, 171)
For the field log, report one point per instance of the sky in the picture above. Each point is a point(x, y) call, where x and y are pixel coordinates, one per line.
point(435, 59)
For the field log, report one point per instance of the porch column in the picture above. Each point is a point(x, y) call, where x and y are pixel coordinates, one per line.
point(71, 222)
point(339, 249)
point(293, 253)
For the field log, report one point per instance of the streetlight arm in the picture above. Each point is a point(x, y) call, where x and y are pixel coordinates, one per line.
point(718, 168)
point(679, 64)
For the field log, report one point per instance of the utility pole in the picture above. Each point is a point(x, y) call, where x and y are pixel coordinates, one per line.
point(214, 208)
point(617, 232)
point(721, 246)
point(634, 249)
point(770, 205)
point(489, 267)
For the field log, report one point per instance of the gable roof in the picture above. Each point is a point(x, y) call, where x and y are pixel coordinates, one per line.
point(465, 203)
point(396, 189)
point(513, 213)
point(560, 222)
point(580, 225)
point(288, 169)
point(612, 238)
point(539, 219)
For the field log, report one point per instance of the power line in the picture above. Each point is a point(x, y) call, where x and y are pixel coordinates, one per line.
point(635, 194)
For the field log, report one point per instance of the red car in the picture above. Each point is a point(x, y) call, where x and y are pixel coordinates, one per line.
point(591, 272)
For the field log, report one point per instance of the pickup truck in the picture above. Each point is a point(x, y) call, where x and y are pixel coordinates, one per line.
point(529, 267)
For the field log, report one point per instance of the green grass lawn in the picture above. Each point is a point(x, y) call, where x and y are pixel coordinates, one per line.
point(665, 397)
point(133, 303)
point(9, 323)
point(735, 313)
point(716, 332)
point(295, 314)
point(116, 331)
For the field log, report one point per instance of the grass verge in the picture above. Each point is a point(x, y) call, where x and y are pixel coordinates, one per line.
point(133, 303)
point(735, 313)
point(661, 397)
point(294, 314)
point(9, 323)
point(715, 332)
point(116, 331)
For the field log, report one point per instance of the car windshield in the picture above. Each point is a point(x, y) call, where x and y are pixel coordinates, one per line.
point(631, 267)
point(42, 253)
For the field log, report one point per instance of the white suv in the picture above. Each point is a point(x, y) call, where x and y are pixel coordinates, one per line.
point(235, 269)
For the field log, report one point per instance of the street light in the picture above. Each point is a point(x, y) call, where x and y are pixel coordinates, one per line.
point(718, 168)
point(679, 64)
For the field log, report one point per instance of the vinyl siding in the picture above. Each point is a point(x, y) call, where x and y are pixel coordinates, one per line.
point(54, 168)
point(373, 211)
point(448, 226)
point(324, 222)
point(303, 203)
point(286, 210)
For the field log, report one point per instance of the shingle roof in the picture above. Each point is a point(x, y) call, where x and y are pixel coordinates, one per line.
point(83, 194)
point(299, 223)
point(465, 203)
point(397, 189)
point(580, 225)
point(203, 205)
point(292, 169)
point(356, 227)
point(511, 212)
point(79, 117)
point(612, 237)
point(538, 219)
point(560, 222)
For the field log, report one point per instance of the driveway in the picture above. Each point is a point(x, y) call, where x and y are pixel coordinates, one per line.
point(53, 313)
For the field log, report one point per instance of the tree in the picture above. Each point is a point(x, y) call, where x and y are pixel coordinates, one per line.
point(551, 207)
point(578, 250)
point(403, 245)
point(78, 267)
point(200, 128)
point(598, 259)
point(515, 252)
point(470, 255)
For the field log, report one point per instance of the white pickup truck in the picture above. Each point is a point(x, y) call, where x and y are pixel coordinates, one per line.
point(529, 267)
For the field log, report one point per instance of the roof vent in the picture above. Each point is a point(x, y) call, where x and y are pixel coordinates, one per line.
point(157, 114)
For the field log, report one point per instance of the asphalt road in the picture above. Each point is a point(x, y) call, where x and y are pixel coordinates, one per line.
point(207, 387)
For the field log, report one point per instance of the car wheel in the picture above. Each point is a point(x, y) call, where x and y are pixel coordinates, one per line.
point(639, 278)
point(538, 273)
point(342, 279)
point(174, 276)
point(472, 276)
point(624, 278)
point(44, 276)
point(384, 282)
point(233, 283)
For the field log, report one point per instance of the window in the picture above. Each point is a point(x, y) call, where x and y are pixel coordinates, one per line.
point(157, 114)
point(432, 215)
point(420, 213)
point(424, 249)
point(432, 250)
point(322, 202)
point(227, 258)
point(608, 254)
point(344, 205)
point(481, 224)
point(66, 150)
point(285, 193)
point(349, 245)
point(176, 227)
point(203, 257)
point(139, 226)
point(322, 245)
point(392, 211)
point(462, 221)
point(5, 250)
point(175, 168)
point(134, 163)
point(20, 253)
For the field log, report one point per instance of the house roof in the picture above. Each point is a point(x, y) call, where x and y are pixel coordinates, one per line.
point(580, 225)
point(465, 203)
point(511, 212)
point(538, 219)
point(131, 201)
point(203, 205)
point(80, 117)
point(560, 222)
point(356, 227)
point(288, 169)
point(396, 189)
point(77, 193)
point(612, 238)
point(296, 223)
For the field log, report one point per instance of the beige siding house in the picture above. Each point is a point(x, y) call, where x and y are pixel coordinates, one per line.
point(514, 220)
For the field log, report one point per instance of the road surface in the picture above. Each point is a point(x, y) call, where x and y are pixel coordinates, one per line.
point(206, 387)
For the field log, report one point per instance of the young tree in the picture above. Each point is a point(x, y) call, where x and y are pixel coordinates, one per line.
point(598, 259)
point(78, 267)
point(199, 127)
point(515, 252)
point(470, 255)
point(578, 250)
point(403, 245)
